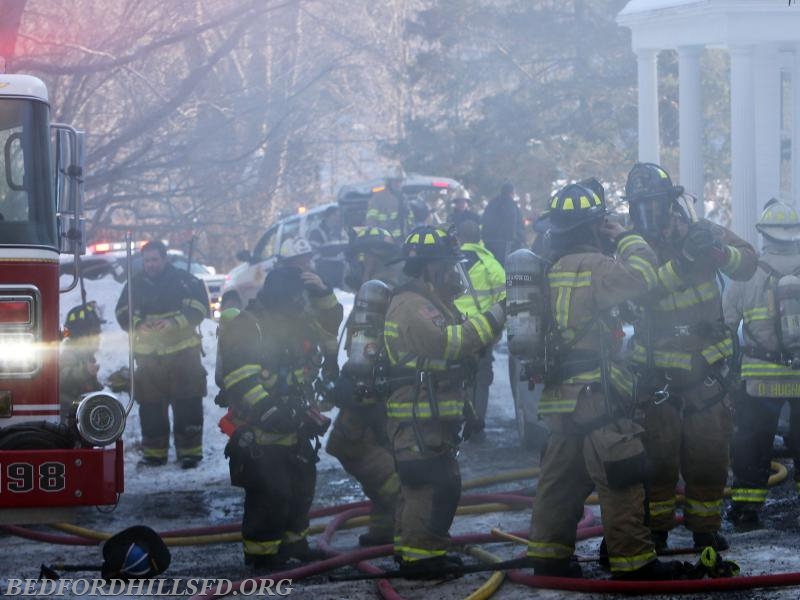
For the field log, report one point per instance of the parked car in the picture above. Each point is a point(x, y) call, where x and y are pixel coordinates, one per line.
point(244, 280)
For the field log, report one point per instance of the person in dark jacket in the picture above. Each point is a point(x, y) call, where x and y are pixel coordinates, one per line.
point(461, 209)
point(168, 306)
point(272, 353)
point(502, 227)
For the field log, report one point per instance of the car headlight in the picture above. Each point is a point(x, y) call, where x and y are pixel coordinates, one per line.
point(100, 419)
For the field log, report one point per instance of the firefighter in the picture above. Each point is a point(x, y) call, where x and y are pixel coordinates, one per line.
point(681, 350)
point(487, 280)
point(461, 208)
point(387, 207)
point(168, 306)
point(766, 306)
point(77, 367)
point(431, 353)
point(358, 437)
point(502, 225)
point(298, 253)
point(272, 352)
point(372, 254)
point(593, 442)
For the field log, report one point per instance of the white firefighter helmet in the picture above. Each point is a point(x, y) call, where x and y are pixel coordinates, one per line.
point(294, 247)
point(779, 221)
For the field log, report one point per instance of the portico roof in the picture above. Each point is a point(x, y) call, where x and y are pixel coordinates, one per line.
point(669, 24)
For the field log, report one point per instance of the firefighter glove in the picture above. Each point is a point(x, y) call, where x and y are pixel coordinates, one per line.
point(275, 417)
point(472, 422)
point(314, 423)
point(496, 316)
point(701, 246)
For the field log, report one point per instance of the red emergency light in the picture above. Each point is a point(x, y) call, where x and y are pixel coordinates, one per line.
point(440, 184)
point(16, 312)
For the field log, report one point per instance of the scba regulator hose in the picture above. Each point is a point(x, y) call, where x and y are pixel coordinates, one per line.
point(355, 514)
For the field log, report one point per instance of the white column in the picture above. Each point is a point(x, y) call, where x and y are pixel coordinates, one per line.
point(796, 127)
point(691, 123)
point(649, 143)
point(743, 167)
point(767, 124)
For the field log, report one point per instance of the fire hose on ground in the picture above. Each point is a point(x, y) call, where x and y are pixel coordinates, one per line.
point(354, 514)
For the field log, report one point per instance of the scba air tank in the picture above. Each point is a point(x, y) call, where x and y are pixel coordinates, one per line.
point(366, 327)
point(526, 303)
point(788, 299)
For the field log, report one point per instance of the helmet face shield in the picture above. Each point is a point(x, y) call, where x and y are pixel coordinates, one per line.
point(451, 279)
point(650, 215)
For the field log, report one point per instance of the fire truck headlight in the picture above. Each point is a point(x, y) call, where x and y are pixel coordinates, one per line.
point(19, 353)
point(100, 419)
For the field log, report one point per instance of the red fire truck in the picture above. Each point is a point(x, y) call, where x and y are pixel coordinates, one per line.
point(49, 463)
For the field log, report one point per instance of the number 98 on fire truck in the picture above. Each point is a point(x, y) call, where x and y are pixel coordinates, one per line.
point(50, 464)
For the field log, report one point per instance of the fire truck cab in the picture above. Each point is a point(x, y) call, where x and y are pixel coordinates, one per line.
point(49, 463)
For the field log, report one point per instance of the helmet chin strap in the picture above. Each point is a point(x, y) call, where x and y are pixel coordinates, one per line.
point(774, 246)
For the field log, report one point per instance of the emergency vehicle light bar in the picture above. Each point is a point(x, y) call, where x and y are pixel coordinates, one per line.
point(103, 247)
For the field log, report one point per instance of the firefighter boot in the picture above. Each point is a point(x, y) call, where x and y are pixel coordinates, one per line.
point(375, 538)
point(431, 568)
point(657, 571)
point(743, 516)
point(300, 550)
point(660, 540)
point(560, 567)
point(713, 539)
point(190, 462)
point(264, 563)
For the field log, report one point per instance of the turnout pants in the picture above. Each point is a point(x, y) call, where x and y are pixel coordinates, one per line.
point(689, 435)
point(581, 456)
point(177, 380)
point(279, 488)
point(358, 440)
point(755, 426)
point(430, 486)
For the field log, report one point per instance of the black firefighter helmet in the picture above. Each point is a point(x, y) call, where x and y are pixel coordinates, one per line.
point(135, 553)
point(82, 320)
point(573, 205)
point(651, 198)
